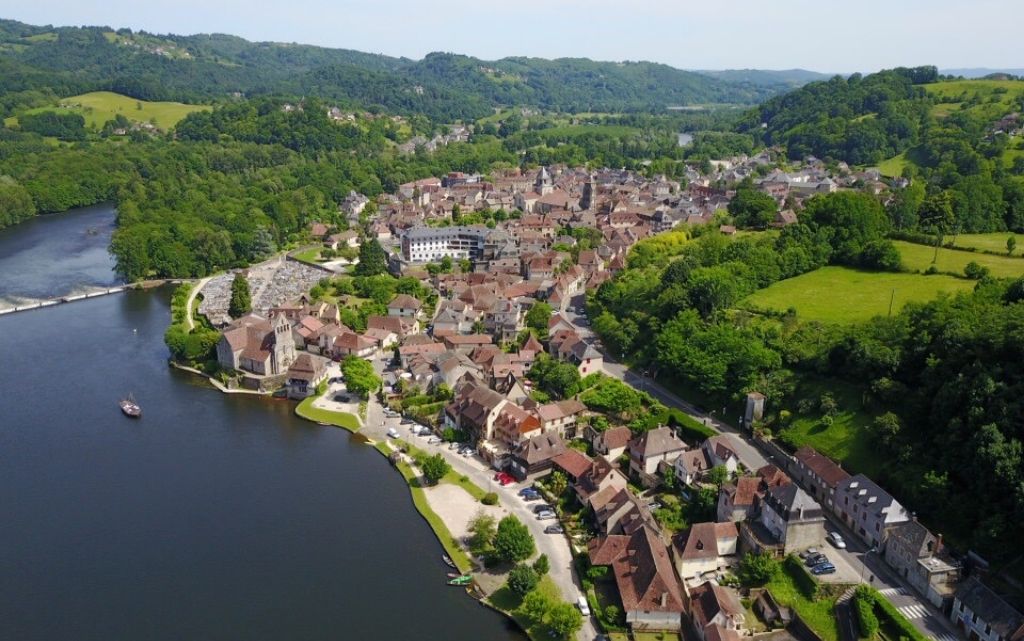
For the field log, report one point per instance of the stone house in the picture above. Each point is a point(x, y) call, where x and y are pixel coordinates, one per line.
point(475, 409)
point(916, 555)
point(304, 375)
point(404, 306)
point(788, 521)
point(652, 449)
point(867, 509)
point(703, 547)
point(560, 417)
point(982, 615)
point(819, 474)
point(601, 476)
point(719, 450)
point(716, 612)
point(611, 443)
point(534, 456)
point(691, 466)
point(643, 573)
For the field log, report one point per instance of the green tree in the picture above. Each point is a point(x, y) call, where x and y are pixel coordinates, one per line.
point(558, 483)
point(434, 468)
point(937, 217)
point(372, 259)
point(537, 318)
point(522, 579)
point(541, 566)
point(1011, 245)
point(446, 264)
point(513, 541)
point(482, 529)
point(564, 619)
point(241, 301)
point(758, 569)
point(360, 379)
point(851, 220)
point(752, 208)
point(718, 475)
point(535, 606)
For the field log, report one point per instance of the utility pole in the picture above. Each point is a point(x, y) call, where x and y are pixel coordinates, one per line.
point(892, 299)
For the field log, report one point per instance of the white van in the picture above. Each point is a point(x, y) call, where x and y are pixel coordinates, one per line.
point(582, 604)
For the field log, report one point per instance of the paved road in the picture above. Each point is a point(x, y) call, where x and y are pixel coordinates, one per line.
point(191, 297)
point(556, 547)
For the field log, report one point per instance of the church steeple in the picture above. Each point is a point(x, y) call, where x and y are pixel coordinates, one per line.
point(587, 202)
point(543, 185)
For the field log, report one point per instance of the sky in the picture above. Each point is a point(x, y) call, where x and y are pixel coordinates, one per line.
point(821, 35)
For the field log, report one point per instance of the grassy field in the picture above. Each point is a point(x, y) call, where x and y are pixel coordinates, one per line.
point(845, 439)
point(894, 166)
point(344, 420)
point(508, 602)
point(919, 257)
point(992, 242)
point(995, 97)
point(817, 614)
point(100, 106)
point(843, 295)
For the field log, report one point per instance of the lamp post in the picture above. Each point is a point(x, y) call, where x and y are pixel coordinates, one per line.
point(863, 564)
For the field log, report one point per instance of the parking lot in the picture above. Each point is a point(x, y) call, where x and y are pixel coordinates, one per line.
point(845, 572)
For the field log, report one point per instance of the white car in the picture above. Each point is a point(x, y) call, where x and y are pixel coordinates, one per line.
point(836, 539)
point(393, 433)
point(582, 604)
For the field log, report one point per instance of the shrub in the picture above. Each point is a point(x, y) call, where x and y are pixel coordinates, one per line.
point(864, 600)
point(758, 569)
point(974, 271)
point(491, 498)
point(541, 566)
point(434, 468)
point(522, 579)
point(804, 581)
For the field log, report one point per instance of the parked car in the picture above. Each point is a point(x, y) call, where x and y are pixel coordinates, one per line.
point(392, 432)
point(554, 529)
point(453, 446)
point(542, 508)
point(809, 552)
point(546, 516)
point(582, 604)
point(406, 421)
point(836, 539)
point(504, 478)
point(434, 440)
point(816, 559)
point(654, 505)
point(528, 490)
point(823, 568)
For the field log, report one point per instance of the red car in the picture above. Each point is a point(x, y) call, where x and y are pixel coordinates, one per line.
point(504, 478)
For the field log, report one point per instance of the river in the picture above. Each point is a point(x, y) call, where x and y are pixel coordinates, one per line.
point(213, 517)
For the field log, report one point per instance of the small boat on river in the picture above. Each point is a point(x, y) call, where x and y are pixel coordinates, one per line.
point(465, 579)
point(448, 560)
point(130, 408)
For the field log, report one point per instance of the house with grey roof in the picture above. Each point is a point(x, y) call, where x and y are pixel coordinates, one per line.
point(652, 449)
point(788, 520)
point(867, 509)
point(982, 615)
point(916, 555)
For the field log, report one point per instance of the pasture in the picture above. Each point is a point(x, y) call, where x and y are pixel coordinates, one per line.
point(98, 107)
point(844, 295)
point(952, 261)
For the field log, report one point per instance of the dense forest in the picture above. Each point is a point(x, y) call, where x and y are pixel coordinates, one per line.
point(942, 379)
point(443, 86)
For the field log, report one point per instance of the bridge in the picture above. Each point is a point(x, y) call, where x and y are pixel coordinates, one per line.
point(106, 291)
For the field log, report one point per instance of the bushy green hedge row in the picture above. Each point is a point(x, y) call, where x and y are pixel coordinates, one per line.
point(864, 604)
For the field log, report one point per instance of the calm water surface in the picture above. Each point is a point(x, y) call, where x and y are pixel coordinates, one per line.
point(213, 517)
point(57, 254)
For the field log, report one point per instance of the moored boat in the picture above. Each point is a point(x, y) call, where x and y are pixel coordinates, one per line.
point(465, 579)
point(448, 560)
point(130, 408)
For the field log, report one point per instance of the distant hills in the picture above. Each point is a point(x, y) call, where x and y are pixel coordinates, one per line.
point(982, 72)
point(767, 77)
point(205, 67)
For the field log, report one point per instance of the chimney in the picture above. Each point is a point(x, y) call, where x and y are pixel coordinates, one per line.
point(938, 544)
point(664, 599)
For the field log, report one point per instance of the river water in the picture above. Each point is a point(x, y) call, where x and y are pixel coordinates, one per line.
point(213, 517)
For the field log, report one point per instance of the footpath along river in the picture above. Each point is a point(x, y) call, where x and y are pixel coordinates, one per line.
point(214, 516)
